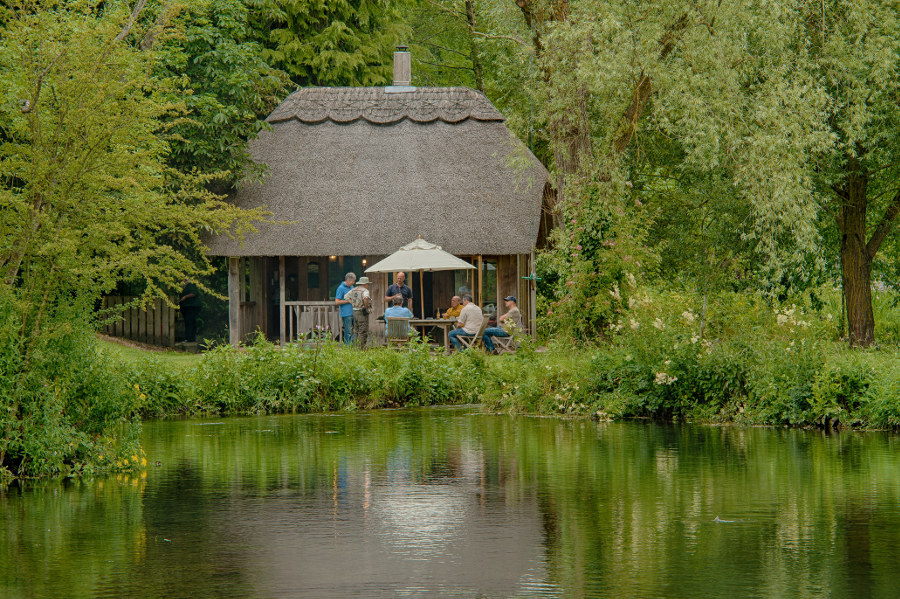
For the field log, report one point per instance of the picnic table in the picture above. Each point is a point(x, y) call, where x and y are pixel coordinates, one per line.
point(446, 324)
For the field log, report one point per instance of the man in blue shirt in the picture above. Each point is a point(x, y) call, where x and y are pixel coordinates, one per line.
point(397, 310)
point(346, 308)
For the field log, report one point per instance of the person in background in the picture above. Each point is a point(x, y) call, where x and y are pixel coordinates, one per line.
point(509, 323)
point(362, 305)
point(340, 298)
point(455, 308)
point(189, 304)
point(397, 310)
point(399, 289)
point(468, 323)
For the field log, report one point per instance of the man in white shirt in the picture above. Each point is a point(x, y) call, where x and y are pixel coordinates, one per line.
point(469, 321)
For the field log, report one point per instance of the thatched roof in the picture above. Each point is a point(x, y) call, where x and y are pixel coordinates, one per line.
point(361, 171)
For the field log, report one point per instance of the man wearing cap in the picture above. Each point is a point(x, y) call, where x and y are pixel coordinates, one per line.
point(509, 323)
point(362, 303)
point(340, 298)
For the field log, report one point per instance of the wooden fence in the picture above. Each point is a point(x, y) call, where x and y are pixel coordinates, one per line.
point(155, 325)
point(312, 318)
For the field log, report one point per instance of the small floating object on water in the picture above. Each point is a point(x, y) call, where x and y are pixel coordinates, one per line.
point(158, 463)
point(717, 519)
point(331, 432)
point(206, 423)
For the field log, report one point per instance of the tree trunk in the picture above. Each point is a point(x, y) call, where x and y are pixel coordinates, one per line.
point(475, 55)
point(857, 278)
point(856, 259)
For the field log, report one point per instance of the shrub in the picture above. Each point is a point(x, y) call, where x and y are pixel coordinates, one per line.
point(64, 407)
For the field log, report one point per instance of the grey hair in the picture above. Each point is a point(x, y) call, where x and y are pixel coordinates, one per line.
point(350, 275)
point(466, 296)
point(397, 301)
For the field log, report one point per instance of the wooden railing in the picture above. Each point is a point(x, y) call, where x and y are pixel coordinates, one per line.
point(312, 319)
point(154, 325)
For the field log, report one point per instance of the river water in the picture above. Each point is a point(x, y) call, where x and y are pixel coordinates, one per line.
point(452, 502)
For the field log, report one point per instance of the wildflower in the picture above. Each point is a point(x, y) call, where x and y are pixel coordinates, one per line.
point(615, 292)
point(631, 302)
point(143, 397)
point(664, 379)
point(688, 316)
point(781, 319)
point(136, 386)
point(634, 324)
point(631, 280)
point(658, 323)
point(695, 339)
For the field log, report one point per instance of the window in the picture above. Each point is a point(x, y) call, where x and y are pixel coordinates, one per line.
point(312, 275)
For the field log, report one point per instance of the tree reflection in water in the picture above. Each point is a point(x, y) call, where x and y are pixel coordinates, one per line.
point(452, 502)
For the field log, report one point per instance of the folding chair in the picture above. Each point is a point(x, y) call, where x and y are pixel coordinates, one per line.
point(505, 345)
point(397, 331)
point(470, 342)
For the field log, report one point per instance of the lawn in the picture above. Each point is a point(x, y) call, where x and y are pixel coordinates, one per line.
point(134, 353)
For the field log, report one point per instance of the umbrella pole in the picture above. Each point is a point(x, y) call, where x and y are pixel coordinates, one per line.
point(421, 295)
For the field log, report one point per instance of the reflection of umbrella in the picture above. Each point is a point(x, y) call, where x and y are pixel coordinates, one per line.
point(422, 256)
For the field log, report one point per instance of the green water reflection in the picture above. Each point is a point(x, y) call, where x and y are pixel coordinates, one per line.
point(455, 503)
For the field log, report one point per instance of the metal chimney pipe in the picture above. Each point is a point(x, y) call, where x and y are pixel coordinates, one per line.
point(402, 67)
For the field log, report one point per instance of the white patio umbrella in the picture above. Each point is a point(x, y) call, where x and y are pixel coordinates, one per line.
point(422, 256)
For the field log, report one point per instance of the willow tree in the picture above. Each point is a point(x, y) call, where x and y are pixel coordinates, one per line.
point(789, 109)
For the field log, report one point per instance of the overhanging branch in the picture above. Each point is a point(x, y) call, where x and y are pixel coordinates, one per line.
point(884, 227)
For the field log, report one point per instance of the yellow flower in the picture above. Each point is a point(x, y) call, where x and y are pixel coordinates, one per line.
point(143, 461)
point(136, 386)
point(143, 396)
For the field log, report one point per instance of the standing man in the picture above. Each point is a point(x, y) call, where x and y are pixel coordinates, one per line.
point(455, 308)
point(399, 289)
point(189, 304)
point(362, 305)
point(469, 321)
point(509, 323)
point(340, 298)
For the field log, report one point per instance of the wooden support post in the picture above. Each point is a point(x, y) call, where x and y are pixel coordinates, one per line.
point(234, 301)
point(282, 298)
point(479, 299)
point(532, 296)
point(170, 323)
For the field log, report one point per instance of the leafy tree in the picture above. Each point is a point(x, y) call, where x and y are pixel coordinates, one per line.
point(226, 86)
point(330, 42)
point(759, 119)
point(88, 199)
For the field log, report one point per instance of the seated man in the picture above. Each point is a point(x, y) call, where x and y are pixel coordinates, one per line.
point(397, 310)
point(510, 323)
point(455, 308)
point(469, 321)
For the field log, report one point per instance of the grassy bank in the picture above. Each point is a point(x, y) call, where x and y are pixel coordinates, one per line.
point(75, 405)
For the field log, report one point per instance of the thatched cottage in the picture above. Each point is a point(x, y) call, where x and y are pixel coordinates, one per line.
point(355, 173)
